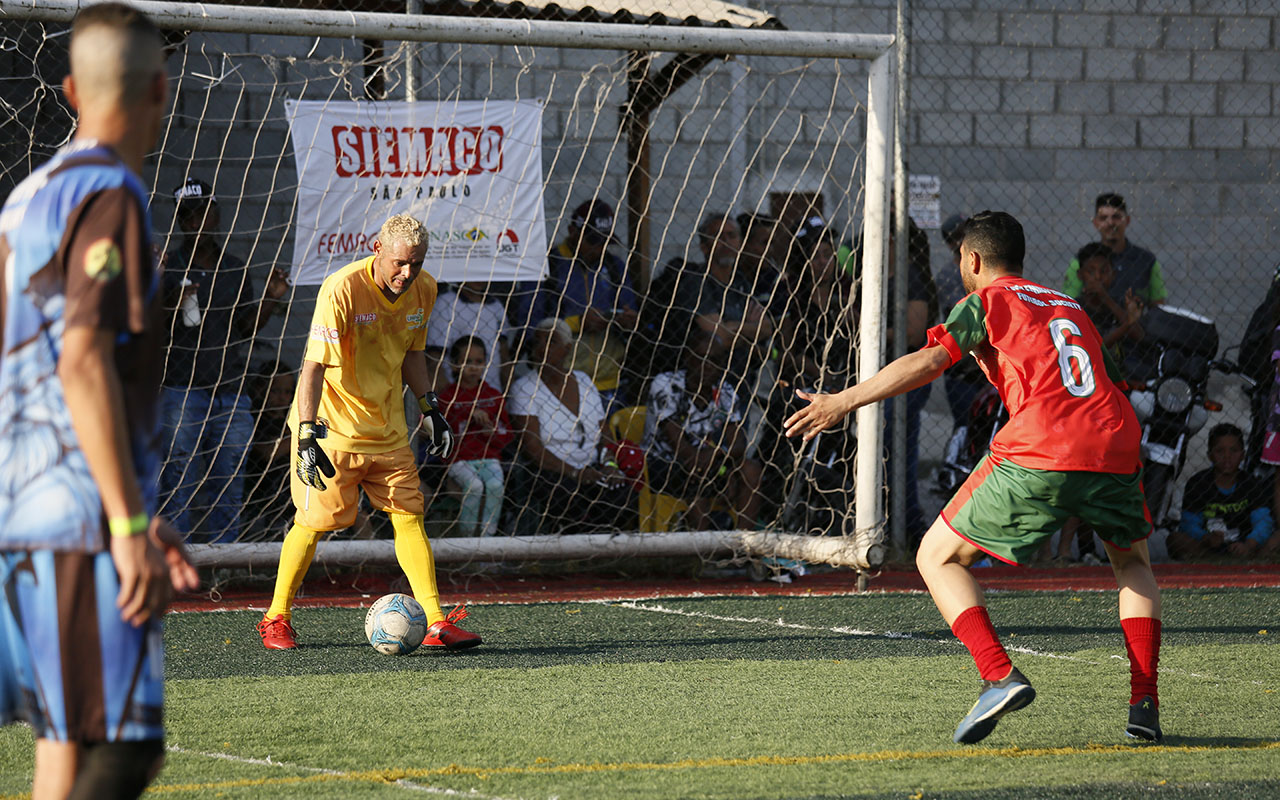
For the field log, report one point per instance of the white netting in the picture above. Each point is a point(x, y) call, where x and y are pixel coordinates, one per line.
point(770, 143)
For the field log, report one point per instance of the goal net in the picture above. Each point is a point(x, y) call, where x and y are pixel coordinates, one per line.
point(702, 200)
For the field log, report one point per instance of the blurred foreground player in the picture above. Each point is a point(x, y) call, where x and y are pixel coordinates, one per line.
point(1070, 448)
point(86, 570)
point(368, 338)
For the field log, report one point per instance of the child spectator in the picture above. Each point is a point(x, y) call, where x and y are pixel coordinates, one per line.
point(1224, 511)
point(1117, 323)
point(478, 416)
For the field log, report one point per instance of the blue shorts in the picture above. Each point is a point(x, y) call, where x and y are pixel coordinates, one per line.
point(69, 665)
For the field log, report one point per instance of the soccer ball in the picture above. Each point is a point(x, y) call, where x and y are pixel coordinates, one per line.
point(395, 624)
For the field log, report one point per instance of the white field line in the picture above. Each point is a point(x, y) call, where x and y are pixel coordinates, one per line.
point(553, 599)
point(781, 623)
point(471, 794)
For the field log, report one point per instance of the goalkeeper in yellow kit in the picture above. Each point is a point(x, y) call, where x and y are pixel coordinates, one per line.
point(367, 340)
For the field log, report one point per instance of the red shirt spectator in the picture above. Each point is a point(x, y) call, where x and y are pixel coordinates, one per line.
point(478, 416)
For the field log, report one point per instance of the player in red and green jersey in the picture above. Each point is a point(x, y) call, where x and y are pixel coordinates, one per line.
point(1070, 448)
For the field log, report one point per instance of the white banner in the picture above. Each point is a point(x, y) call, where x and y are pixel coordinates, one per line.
point(471, 171)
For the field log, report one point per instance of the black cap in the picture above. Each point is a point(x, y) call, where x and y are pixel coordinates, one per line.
point(595, 219)
point(193, 191)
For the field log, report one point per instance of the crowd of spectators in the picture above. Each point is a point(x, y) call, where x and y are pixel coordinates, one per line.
point(712, 349)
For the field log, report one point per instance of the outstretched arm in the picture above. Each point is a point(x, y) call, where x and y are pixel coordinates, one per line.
point(902, 375)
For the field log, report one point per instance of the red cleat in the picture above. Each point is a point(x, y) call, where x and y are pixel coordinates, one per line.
point(278, 634)
point(449, 636)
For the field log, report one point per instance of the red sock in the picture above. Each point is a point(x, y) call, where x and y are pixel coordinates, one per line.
point(1142, 643)
point(973, 629)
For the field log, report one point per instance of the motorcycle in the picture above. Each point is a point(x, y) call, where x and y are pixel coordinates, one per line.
point(1170, 367)
point(971, 441)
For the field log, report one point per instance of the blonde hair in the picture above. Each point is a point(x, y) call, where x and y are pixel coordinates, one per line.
point(403, 228)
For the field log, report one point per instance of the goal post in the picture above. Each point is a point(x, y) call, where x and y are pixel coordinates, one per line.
point(784, 142)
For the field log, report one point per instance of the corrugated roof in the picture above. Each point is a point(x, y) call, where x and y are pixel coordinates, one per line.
point(642, 12)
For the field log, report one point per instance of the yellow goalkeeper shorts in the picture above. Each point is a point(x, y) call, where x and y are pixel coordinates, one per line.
point(390, 480)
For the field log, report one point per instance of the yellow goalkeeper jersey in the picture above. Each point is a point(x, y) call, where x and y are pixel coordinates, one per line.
point(361, 338)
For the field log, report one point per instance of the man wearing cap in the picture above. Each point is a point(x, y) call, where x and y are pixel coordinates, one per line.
point(208, 424)
point(595, 295)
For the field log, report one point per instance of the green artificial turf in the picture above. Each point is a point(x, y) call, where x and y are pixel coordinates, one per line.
point(718, 698)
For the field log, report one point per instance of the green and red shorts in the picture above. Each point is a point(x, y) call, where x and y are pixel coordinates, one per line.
point(1006, 510)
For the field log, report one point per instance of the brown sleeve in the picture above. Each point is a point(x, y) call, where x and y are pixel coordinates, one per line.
point(109, 263)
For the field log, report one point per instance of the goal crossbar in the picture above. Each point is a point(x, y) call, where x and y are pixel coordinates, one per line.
point(835, 550)
point(436, 28)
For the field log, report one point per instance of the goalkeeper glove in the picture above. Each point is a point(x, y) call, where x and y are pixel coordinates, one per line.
point(438, 432)
point(311, 460)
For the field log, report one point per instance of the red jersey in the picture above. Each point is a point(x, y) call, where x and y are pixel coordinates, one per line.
point(475, 441)
point(1045, 357)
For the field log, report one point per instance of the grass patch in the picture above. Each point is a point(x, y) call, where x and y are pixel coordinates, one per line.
point(717, 698)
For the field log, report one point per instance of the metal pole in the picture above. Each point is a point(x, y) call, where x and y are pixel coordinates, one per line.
point(412, 9)
point(465, 30)
point(835, 550)
point(901, 263)
point(639, 187)
point(875, 237)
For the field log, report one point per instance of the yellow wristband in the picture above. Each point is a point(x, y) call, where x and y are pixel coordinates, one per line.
point(124, 527)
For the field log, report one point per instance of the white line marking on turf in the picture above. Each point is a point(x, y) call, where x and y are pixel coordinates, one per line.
point(781, 623)
point(270, 762)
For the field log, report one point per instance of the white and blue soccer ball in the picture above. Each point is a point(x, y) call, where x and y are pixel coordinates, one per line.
point(395, 624)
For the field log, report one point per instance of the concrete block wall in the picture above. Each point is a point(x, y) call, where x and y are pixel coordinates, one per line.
point(1171, 104)
point(1031, 105)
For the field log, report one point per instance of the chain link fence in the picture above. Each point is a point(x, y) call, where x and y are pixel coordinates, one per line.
point(1037, 109)
point(1041, 109)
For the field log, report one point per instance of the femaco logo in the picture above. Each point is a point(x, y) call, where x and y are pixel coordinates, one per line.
point(323, 333)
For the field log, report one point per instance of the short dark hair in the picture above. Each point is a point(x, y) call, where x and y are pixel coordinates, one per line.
point(140, 33)
point(1224, 429)
point(464, 343)
point(1092, 250)
point(1109, 199)
point(711, 224)
point(116, 15)
point(748, 222)
point(998, 238)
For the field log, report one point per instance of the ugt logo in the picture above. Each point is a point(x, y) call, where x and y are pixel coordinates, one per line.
point(508, 243)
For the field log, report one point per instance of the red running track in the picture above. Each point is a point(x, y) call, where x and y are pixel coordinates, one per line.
point(358, 590)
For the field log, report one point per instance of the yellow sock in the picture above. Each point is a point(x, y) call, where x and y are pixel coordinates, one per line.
point(413, 551)
point(295, 556)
